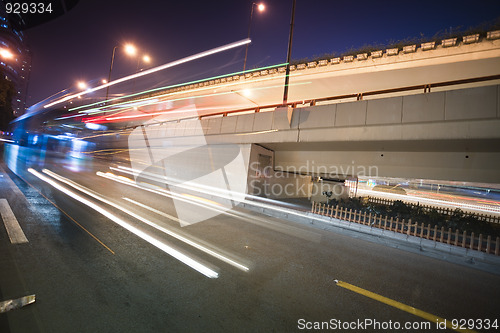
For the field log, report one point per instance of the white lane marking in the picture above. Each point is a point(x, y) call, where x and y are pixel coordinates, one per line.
point(12, 226)
point(266, 223)
point(185, 239)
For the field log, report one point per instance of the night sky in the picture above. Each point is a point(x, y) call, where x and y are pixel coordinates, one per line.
point(78, 45)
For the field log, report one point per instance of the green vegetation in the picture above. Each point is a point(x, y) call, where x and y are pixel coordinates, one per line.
point(457, 220)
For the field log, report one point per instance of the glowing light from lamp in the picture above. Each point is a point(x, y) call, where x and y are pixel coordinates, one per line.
point(247, 93)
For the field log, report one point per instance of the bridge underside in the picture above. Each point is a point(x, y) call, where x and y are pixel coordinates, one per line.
point(450, 135)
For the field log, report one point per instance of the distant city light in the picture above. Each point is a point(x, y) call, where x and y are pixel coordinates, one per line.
point(6, 54)
point(81, 85)
point(146, 59)
point(104, 81)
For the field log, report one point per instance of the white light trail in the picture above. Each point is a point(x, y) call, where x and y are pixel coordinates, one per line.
point(148, 222)
point(153, 241)
point(155, 69)
point(5, 53)
point(171, 112)
point(188, 241)
point(259, 132)
point(226, 194)
point(169, 194)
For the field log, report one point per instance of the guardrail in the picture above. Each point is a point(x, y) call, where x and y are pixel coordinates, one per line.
point(457, 238)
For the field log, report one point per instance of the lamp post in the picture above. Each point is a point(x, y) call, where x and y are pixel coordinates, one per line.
point(261, 8)
point(288, 55)
point(130, 50)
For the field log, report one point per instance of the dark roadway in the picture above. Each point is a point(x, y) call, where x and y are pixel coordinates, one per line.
point(126, 284)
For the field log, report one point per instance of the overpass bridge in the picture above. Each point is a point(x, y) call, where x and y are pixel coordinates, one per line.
point(101, 210)
point(442, 136)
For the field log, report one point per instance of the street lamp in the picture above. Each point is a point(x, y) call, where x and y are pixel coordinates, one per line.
point(288, 56)
point(260, 7)
point(129, 49)
point(145, 59)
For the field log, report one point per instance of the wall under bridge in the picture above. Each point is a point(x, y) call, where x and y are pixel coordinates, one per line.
point(447, 135)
